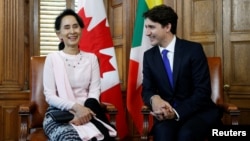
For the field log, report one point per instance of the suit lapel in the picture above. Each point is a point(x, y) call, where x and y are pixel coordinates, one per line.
point(176, 65)
point(177, 59)
point(160, 66)
point(158, 61)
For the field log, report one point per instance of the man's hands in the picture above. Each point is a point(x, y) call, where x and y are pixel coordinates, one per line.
point(161, 109)
point(82, 114)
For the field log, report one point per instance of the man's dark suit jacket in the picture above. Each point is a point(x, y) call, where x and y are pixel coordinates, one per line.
point(192, 88)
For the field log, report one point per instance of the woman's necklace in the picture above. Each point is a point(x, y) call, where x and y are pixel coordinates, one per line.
point(74, 62)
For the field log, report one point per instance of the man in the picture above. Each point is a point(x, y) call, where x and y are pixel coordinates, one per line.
point(180, 102)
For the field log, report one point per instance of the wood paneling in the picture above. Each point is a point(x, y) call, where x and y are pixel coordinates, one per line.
point(202, 22)
point(14, 65)
point(13, 43)
point(120, 15)
point(222, 26)
point(9, 104)
point(236, 43)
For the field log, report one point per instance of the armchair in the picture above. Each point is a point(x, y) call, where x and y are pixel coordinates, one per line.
point(32, 113)
point(217, 96)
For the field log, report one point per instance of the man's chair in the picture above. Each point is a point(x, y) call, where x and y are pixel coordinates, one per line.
point(32, 113)
point(229, 109)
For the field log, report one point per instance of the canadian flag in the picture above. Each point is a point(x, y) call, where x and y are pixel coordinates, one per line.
point(96, 38)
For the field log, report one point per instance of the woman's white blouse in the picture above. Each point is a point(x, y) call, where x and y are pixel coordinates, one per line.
point(83, 74)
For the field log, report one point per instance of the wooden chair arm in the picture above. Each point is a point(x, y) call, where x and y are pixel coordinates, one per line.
point(228, 107)
point(231, 110)
point(110, 108)
point(24, 112)
point(145, 128)
point(145, 109)
point(24, 109)
point(112, 111)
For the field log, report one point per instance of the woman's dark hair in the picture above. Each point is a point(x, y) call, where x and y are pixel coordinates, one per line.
point(58, 22)
point(164, 15)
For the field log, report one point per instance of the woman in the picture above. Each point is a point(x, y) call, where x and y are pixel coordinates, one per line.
point(72, 83)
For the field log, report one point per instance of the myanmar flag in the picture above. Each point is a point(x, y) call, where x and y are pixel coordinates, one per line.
point(96, 38)
point(140, 43)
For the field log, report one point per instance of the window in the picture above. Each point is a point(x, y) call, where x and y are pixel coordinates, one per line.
point(49, 10)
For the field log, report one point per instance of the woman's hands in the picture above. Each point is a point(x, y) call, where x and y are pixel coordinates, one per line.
point(82, 114)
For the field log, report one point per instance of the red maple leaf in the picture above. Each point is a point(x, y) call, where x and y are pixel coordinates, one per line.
point(95, 40)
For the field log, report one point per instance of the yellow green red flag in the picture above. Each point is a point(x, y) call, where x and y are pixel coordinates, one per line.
point(140, 43)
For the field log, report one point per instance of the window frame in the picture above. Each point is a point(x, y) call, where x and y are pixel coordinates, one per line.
point(35, 21)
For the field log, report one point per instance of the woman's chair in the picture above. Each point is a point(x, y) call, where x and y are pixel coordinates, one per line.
point(232, 110)
point(32, 113)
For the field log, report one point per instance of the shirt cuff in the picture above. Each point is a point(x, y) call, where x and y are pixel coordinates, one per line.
point(151, 98)
point(177, 115)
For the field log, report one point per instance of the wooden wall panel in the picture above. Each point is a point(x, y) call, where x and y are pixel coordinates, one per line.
point(209, 48)
point(236, 34)
point(203, 19)
point(12, 45)
point(116, 26)
point(120, 14)
point(222, 26)
point(14, 64)
point(10, 123)
point(1, 38)
point(9, 104)
point(202, 22)
point(240, 64)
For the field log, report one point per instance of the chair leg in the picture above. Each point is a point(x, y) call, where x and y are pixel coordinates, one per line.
point(23, 131)
point(145, 131)
point(235, 117)
point(112, 120)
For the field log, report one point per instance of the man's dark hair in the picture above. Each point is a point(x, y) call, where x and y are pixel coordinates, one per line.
point(164, 15)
